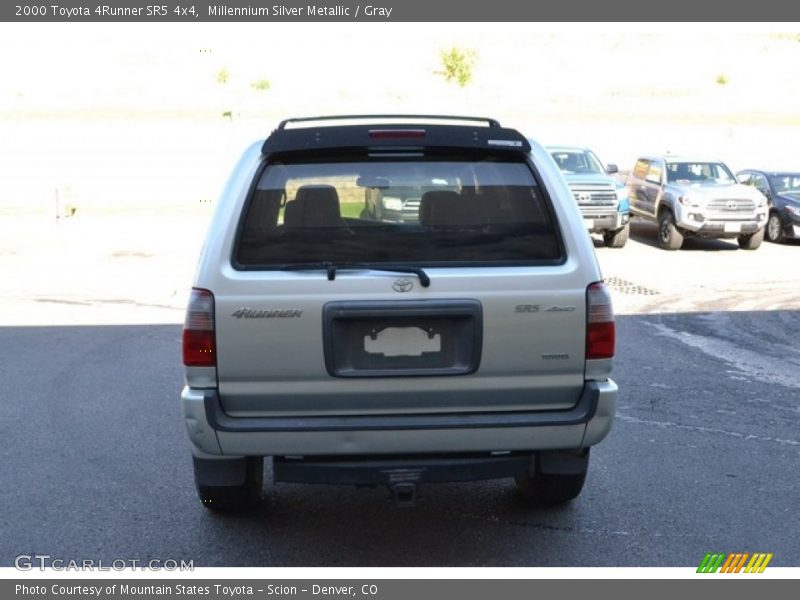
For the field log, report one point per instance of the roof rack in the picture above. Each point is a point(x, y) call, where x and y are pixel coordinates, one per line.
point(374, 118)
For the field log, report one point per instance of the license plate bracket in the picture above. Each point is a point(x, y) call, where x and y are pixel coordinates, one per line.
point(403, 341)
point(412, 338)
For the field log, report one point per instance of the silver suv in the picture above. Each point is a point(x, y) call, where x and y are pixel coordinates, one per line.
point(690, 196)
point(472, 340)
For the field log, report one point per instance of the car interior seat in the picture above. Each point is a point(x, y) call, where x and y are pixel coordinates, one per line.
point(314, 206)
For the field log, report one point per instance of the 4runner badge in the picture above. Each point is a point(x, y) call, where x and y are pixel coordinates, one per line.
point(402, 285)
point(278, 313)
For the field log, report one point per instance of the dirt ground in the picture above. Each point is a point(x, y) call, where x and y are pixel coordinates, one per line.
point(705, 275)
point(140, 137)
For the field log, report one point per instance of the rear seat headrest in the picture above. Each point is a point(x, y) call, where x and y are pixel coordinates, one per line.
point(441, 208)
point(313, 206)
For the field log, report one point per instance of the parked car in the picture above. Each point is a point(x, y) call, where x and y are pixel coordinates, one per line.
point(690, 196)
point(397, 200)
point(782, 190)
point(472, 341)
point(602, 199)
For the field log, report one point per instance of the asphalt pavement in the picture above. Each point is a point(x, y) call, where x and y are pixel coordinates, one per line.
point(703, 457)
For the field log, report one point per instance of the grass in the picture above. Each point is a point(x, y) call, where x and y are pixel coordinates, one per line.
point(352, 210)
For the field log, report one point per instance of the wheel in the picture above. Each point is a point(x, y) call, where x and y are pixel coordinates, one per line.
point(229, 498)
point(554, 488)
point(774, 228)
point(752, 241)
point(618, 238)
point(669, 238)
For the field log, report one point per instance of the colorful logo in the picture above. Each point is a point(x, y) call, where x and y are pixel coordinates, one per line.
point(735, 562)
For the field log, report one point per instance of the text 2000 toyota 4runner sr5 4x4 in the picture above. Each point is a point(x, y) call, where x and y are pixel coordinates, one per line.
point(472, 340)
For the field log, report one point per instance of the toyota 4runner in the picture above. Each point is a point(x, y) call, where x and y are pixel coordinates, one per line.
point(471, 340)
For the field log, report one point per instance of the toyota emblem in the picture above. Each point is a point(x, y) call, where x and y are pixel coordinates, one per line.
point(402, 285)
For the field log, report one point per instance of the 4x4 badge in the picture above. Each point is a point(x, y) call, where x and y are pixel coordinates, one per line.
point(402, 285)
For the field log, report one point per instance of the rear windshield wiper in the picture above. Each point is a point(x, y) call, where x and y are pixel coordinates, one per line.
point(331, 267)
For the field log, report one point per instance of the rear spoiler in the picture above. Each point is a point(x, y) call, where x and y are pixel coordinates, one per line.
point(396, 132)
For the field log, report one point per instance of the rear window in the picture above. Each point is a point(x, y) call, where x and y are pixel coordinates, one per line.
point(419, 212)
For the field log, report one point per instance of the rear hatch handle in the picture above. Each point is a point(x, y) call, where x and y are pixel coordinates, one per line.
point(330, 268)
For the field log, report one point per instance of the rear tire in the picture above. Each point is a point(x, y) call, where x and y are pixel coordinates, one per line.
point(618, 238)
point(552, 488)
point(774, 229)
point(669, 238)
point(752, 241)
point(232, 498)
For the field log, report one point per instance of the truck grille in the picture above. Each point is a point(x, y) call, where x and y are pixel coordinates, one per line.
point(411, 209)
point(595, 200)
point(730, 209)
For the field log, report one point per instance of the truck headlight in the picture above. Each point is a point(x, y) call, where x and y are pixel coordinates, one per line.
point(691, 199)
point(391, 203)
point(623, 205)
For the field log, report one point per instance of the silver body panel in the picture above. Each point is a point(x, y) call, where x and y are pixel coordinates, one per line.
point(207, 443)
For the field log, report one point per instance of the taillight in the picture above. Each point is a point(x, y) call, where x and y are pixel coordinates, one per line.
point(400, 134)
point(198, 330)
point(600, 329)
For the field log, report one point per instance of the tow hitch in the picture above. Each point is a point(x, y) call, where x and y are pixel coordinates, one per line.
point(403, 494)
point(402, 475)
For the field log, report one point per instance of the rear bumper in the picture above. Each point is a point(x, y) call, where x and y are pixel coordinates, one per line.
point(215, 433)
